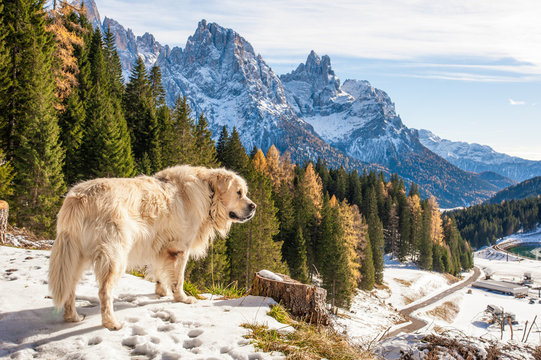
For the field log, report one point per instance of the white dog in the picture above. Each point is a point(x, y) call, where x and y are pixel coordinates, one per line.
point(113, 224)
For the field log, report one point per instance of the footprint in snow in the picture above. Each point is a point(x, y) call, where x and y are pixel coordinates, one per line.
point(195, 332)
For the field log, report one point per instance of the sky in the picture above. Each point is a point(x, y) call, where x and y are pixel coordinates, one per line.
point(467, 70)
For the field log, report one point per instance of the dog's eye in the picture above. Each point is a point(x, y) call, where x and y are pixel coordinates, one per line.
point(239, 193)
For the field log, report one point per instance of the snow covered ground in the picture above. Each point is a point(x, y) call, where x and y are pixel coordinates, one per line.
point(462, 315)
point(153, 328)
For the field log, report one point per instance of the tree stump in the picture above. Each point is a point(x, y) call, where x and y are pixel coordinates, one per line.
point(302, 300)
point(4, 212)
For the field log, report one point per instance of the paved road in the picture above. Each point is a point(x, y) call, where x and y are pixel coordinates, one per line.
point(417, 323)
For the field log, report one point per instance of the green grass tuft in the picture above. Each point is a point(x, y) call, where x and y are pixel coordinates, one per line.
point(231, 291)
point(192, 290)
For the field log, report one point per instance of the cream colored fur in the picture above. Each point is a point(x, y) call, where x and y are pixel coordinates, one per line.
point(159, 221)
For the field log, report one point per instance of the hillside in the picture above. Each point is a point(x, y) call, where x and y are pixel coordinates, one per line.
point(480, 158)
point(526, 189)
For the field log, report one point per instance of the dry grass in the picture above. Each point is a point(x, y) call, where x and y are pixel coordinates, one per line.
point(408, 300)
point(307, 342)
point(450, 278)
point(446, 311)
point(403, 282)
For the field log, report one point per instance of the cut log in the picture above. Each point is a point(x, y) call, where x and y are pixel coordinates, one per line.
point(305, 301)
point(4, 212)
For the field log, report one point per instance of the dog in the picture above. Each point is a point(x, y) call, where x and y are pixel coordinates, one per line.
point(114, 224)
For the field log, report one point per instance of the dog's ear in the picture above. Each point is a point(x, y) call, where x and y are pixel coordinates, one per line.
point(220, 181)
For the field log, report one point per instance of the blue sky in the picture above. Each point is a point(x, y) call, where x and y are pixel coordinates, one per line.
point(467, 70)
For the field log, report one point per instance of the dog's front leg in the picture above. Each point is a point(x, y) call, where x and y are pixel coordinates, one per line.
point(178, 281)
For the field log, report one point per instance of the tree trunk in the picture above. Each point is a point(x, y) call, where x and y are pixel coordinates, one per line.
point(302, 300)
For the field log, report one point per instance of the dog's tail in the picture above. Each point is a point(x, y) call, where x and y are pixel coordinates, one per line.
point(66, 262)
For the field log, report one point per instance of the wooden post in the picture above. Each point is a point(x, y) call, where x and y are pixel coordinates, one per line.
point(302, 300)
point(524, 333)
point(528, 335)
point(4, 212)
point(510, 326)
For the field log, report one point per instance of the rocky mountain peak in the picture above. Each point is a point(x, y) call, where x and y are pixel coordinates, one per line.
point(212, 44)
point(315, 71)
point(92, 13)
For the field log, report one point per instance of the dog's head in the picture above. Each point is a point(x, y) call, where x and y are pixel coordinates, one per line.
point(231, 191)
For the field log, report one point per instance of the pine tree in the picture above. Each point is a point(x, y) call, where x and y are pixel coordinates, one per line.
point(106, 145)
point(233, 155)
point(6, 177)
point(220, 145)
point(206, 149)
point(251, 246)
point(426, 244)
point(72, 124)
point(212, 269)
point(392, 233)
point(141, 118)
point(375, 233)
point(33, 145)
point(5, 84)
point(367, 268)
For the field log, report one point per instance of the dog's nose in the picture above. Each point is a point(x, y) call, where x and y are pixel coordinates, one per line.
point(252, 206)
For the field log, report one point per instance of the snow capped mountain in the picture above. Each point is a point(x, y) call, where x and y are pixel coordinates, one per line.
point(480, 158)
point(355, 117)
point(221, 75)
point(307, 112)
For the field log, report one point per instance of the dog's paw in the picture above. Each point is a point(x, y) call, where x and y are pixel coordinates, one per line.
point(113, 325)
point(74, 318)
point(186, 299)
point(160, 290)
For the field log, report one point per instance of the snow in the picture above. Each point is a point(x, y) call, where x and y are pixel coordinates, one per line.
point(153, 327)
point(408, 285)
point(269, 275)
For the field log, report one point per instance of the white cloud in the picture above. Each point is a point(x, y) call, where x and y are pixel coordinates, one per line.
point(516, 102)
point(392, 29)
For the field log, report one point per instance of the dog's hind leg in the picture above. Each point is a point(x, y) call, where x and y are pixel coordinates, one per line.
point(70, 311)
point(108, 268)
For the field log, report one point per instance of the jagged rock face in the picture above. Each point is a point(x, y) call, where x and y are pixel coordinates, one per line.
point(480, 158)
point(355, 117)
point(221, 75)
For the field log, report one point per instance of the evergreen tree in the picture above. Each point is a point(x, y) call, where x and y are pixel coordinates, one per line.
point(233, 155)
point(72, 124)
point(141, 118)
point(375, 233)
point(33, 145)
point(251, 246)
point(220, 145)
point(426, 244)
point(5, 86)
point(213, 269)
point(106, 144)
point(332, 259)
point(367, 268)
point(206, 149)
point(6, 177)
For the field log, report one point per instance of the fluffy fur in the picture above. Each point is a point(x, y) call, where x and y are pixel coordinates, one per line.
point(160, 221)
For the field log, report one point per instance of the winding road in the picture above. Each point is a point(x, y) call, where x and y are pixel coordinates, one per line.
point(417, 323)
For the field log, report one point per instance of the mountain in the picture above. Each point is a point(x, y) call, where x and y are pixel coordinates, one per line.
point(307, 112)
point(361, 120)
point(526, 189)
point(479, 158)
point(496, 179)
